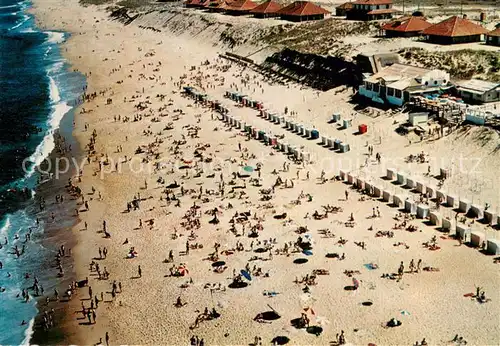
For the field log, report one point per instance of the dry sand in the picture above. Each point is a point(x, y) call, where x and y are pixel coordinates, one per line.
point(144, 312)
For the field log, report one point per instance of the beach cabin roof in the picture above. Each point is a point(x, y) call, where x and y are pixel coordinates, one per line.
point(302, 8)
point(398, 71)
point(477, 86)
point(266, 7)
point(241, 5)
point(373, 2)
point(383, 11)
point(408, 24)
point(455, 27)
point(345, 6)
point(495, 32)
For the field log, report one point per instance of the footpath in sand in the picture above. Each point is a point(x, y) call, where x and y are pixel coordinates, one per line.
point(152, 207)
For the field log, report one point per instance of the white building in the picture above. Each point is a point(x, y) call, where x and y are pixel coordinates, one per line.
point(478, 91)
point(397, 83)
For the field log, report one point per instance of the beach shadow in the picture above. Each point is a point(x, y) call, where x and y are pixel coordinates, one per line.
point(300, 260)
point(315, 330)
point(280, 340)
point(236, 284)
point(85, 323)
point(135, 277)
point(367, 303)
point(268, 316)
point(297, 323)
point(350, 288)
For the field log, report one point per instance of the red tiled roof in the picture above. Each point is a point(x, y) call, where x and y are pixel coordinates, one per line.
point(372, 2)
point(411, 24)
point(223, 5)
point(455, 26)
point(495, 32)
point(241, 5)
point(345, 6)
point(267, 7)
point(302, 8)
point(196, 2)
point(383, 11)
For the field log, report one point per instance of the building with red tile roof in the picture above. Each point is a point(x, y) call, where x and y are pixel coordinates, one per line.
point(267, 9)
point(196, 3)
point(300, 11)
point(405, 27)
point(371, 10)
point(240, 7)
point(341, 10)
point(493, 37)
point(218, 5)
point(454, 30)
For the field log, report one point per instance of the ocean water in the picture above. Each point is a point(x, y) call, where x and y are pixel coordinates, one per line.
point(37, 89)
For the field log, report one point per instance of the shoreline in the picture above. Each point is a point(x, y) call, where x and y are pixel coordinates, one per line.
point(142, 52)
point(38, 264)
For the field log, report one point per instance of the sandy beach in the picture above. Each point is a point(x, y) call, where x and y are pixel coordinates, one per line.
point(165, 174)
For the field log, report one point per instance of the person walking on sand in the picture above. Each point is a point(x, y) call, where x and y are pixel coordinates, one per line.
point(401, 270)
point(107, 338)
point(139, 271)
point(346, 195)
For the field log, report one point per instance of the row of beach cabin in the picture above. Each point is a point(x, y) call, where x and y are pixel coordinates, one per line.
point(297, 11)
point(412, 184)
point(452, 30)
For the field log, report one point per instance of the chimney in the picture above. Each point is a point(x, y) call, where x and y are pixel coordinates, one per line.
point(465, 16)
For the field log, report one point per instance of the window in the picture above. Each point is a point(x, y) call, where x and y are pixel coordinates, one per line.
point(368, 86)
point(390, 92)
point(398, 93)
point(376, 88)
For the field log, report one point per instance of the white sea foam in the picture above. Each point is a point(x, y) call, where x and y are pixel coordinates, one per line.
point(5, 226)
point(24, 20)
point(10, 6)
point(28, 332)
point(59, 109)
point(55, 37)
point(54, 91)
point(47, 145)
point(28, 30)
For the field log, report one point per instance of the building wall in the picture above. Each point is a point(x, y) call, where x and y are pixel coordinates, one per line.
point(453, 40)
point(392, 33)
point(340, 12)
point(395, 101)
point(303, 18)
point(367, 93)
point(490, 96)
point(493, 40)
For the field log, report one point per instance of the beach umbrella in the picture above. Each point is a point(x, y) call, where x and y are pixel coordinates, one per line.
point(405, 313)
point(246, 275)
point(307, 252)
point(183, 270)
point(248, 169)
